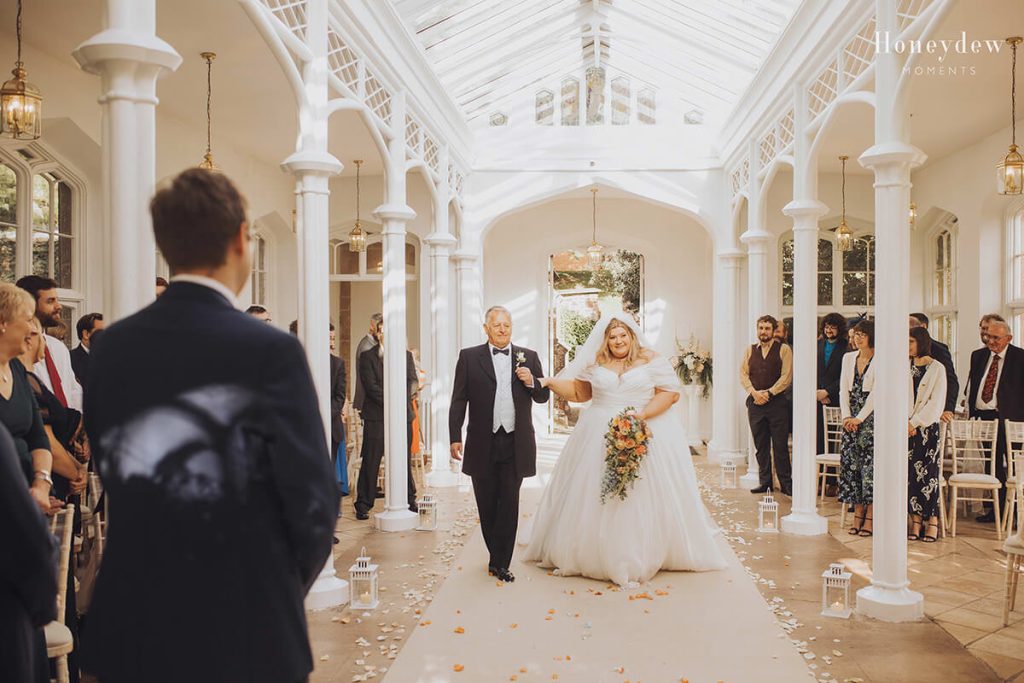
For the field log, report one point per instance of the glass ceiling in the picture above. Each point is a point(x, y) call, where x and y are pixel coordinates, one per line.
point(494, 54)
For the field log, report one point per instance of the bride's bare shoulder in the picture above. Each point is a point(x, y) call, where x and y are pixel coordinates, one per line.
point(649, 355)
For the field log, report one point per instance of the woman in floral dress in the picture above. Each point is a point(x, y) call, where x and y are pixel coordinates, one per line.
point(857, 450)
point(925, 458)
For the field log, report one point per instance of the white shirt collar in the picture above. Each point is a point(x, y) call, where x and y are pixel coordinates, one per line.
point(84, 347)
point(215, 285)
point(1002, 354)
point(507, 346)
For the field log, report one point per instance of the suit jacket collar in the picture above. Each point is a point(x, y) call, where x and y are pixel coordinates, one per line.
point(209, 282)
point(187, 291)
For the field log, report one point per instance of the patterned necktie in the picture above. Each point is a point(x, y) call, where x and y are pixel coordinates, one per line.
point(58, 388)
point(990, 380)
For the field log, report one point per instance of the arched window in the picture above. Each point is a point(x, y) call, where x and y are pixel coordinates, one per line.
point(645, 107)
point(545, 108)
point(570, 102)
point(595, 95)
point(826, 277)
point(942, 305)
point(859, 273)
point(1015, 290)
point(8, 223)
point(620, 101)
point(259, 290)
point(52, 237)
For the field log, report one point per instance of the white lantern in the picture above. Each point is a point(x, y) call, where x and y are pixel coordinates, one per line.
point(428, 512)
point(768, 515)
point(362, 577)
point(728, 474)
point(835, 591)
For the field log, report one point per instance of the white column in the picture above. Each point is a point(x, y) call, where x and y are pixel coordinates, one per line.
point(724, 443)
point(757, 305)
point(693, 399)
point(470, 297)
point(889, 597)
point(440, 245)
point(804, 518)
point(129, 58)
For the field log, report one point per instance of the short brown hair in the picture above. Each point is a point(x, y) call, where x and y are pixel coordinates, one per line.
point(195, 218)
point(768, 319)
point(924, 341)
point(867, 328)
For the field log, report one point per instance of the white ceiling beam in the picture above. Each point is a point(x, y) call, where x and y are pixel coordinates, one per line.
point(679, 79)
point(722, 19)
point(550, 77)
point(487, 26)
point(450, 16)
point(539, 60)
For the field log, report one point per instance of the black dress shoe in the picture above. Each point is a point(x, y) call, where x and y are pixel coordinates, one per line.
point(501, 574)
point(413, 507)
point(760, 489)
point(335, 540)
point(362, 515)
point(987, 517)
point(787, 491)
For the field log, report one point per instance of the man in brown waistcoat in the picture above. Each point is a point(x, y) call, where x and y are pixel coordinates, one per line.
point(766, 373)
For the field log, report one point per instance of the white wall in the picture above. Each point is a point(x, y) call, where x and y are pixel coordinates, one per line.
point(678, 262)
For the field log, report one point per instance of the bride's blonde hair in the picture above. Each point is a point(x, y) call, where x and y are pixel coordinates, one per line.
point(604, 356)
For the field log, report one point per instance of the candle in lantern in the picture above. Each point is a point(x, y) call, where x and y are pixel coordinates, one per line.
point(364, 598)
point(837, 606)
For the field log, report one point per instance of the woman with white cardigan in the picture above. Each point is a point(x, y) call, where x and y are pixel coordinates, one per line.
point(927, 400)
point(857, 449)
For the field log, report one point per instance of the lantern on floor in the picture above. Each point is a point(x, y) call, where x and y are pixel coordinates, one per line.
point(768, 515)
point(428, 512)
point(362, 578)
point(728, 474)
point(835, 591)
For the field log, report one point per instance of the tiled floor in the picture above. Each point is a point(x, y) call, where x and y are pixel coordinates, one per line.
point(962, 579)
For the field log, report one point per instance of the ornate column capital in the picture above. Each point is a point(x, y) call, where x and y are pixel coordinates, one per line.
point(801, 208)
point(891, 161)
point(126, 46)
point(440, 242)
point(394, 212)
point(312, 162)
point(756, 240)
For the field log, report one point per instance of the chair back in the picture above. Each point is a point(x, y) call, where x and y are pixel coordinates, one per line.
point(64, 521)
point(833, 419)
point(1014, 447)
point(974, 444)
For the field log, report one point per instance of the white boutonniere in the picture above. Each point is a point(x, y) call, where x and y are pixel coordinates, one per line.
point(520, 358)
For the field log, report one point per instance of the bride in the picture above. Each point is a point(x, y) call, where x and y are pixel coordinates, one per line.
point(662, 524)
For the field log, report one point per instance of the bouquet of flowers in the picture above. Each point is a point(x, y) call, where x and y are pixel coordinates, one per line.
point(626, 445)
point(693, 365)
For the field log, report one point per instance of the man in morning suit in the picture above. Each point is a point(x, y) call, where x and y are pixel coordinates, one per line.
point(832, 344)
point(368, 341)
point(941, 353)
point(371, 377)
point(995, 391)
point(497, 382)
point(87, 326)
point(216, 462)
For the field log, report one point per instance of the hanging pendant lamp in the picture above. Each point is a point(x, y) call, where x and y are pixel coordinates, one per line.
point(21, 104)
point(844, 236)
point(207, 161)
point(1010, 171)
point(357, 238)
point(595, 252)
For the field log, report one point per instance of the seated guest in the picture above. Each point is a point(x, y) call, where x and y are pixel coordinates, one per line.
point(215, 461)
point(55, 369)
point(28, 574)
point(87, 326)
point(832, 345)
point(259, 312)
point(941, 353)
point(928, 398)
point(857, 449)
point(161, 286)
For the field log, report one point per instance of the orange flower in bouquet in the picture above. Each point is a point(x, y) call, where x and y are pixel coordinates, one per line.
point(625, 448)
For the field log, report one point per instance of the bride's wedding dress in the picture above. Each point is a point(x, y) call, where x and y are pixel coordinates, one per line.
point(662, 524)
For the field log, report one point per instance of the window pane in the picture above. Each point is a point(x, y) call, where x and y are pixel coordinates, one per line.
point(41, 253)
point(410, 258)
point(855, 289)
point(261, 291)
point(645, 107)
point(595, 95)
point(545, 108)
point(62, 261)
point(824, 256)
point(787, 256)
point(620, 101)
point(8, 195)
point(825, 289)
point(787, 289)
point(40, 203)
point(374, 258)
point(570, 102)
point(8, 240)
point(856, 258)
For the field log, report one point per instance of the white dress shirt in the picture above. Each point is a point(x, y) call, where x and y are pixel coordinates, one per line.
point(994, 403)
point(62, 362)
point(504, 408)
point(215, 285)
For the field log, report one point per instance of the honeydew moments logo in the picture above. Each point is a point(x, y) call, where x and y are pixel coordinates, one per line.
point(944, 49)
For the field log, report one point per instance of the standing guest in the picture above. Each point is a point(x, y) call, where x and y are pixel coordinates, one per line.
point(783, 336)
point(366, 343)
point(161, 285)
point(984, 323)
point(259, 312)
point(371, 376)
point(55, 369)
point(339, 386)
point(941, 353)
point(832, 346)
point(928, 400)
point(995, 391)
point(216, 462)
point(87, 326)
point(857, 449)
point(766, 373)
point(28, 589)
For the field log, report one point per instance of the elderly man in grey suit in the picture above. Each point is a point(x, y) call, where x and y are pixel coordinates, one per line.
point(366, 343)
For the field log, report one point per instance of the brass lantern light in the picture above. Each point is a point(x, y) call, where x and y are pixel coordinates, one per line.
point(357, 238)
point(595, 252)
point(844, 236)
point(21, 104)
point(912, 214)
point(1010, 171)
point(207, 161)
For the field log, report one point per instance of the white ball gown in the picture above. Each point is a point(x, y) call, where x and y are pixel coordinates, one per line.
point(662, 524)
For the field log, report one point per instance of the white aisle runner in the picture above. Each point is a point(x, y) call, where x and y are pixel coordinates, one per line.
point(699, 627)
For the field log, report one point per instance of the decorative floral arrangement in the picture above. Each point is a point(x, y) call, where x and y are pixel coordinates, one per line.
point(626, 444)
point(693, 365)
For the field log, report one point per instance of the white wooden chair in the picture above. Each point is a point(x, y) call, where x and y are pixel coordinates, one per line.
point(1014, 545)
point(974, 441)
point(1014, 449)
point(59, 642)
point(829, 460)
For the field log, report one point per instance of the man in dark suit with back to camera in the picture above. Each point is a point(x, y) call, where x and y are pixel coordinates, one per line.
point(216, 463)
point(87, 326)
